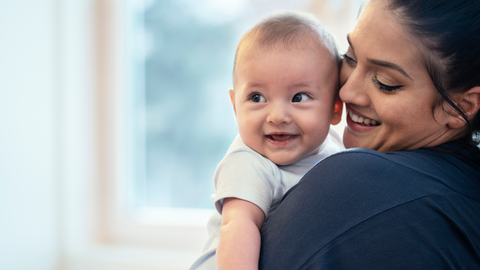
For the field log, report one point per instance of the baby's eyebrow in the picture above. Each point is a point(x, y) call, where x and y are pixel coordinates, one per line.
point(254, 84)
point(304, 85)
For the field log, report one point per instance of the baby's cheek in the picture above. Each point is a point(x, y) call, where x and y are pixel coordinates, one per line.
point(320, 131)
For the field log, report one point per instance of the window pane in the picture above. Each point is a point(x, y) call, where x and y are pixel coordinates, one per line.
point(182, 58)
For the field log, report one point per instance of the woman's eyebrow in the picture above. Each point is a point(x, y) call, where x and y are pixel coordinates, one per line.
point(382, 63)
point(349, 42)
point(389, 65)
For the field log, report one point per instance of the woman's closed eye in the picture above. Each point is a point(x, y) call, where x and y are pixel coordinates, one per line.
point(384, 87)
point(257, 98)
point(300, 97)
point(350, 61)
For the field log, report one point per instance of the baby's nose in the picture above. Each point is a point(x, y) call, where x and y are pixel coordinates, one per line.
point(279, 114)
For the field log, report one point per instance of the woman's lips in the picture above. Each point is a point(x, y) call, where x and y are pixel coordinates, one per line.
point(362, 120)
point(280, 139)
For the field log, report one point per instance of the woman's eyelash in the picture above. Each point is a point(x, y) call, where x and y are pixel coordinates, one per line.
point(348, 59)
point(384, 87)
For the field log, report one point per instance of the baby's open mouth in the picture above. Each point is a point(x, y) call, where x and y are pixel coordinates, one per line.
point(363, 121)
point(281, 137)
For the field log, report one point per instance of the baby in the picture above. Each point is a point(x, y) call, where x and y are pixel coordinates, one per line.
point(285, 97)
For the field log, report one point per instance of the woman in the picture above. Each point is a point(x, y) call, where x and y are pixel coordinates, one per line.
point(411, 84)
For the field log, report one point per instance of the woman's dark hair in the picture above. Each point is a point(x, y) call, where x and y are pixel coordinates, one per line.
point(449, 30)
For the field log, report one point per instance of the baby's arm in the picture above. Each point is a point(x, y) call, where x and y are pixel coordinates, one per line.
point(239, 246)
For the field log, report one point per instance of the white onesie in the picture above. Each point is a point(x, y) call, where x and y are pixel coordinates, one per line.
point(247, 175)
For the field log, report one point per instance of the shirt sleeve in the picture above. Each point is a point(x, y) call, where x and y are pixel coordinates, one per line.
point(246, 176)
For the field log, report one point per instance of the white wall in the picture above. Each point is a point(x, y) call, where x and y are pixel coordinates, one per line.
point(28, 197)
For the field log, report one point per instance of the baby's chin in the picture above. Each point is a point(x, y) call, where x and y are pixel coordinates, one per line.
point(289, 157)
point(283, 160)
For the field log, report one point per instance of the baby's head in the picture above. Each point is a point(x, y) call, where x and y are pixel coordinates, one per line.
point(285, 93)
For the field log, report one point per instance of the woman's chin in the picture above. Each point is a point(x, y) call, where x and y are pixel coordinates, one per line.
point(352, 139)
point(349, 140)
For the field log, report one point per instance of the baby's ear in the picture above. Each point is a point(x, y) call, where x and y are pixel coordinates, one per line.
point(337, 112)
point(232, 99)
point(469, 102)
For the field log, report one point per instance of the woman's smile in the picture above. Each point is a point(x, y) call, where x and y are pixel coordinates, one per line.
point(362, 120)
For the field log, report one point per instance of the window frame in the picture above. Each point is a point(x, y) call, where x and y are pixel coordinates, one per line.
point(96, 231)
point(179, 229)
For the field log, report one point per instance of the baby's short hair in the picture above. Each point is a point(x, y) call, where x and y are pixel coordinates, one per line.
point(289, 30)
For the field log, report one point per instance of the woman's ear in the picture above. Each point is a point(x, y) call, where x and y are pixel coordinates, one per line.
point(232, 99)
point(469, 102)
point(337, 111)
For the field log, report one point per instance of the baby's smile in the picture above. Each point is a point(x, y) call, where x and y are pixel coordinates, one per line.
point(281, 139)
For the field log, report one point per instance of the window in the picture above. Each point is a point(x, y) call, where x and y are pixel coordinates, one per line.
point(181, 58)
point(109, 215)
point(166, 118)
point(185, 55)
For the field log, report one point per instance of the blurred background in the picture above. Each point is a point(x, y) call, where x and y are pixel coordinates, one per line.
point(113, 117)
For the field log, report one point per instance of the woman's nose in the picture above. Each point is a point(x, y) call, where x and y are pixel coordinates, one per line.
point(278, 114)
point(354, 88)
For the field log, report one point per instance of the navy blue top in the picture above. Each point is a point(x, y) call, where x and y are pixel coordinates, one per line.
point(361, 209)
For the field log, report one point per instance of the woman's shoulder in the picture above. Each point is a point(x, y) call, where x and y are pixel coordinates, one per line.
point(428, 161)
point(369, 154)
point(357, 159)
point(350, 198)
point(421, 169)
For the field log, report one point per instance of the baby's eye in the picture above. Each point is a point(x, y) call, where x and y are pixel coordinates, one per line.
point(300, 97)
point(257, 98)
